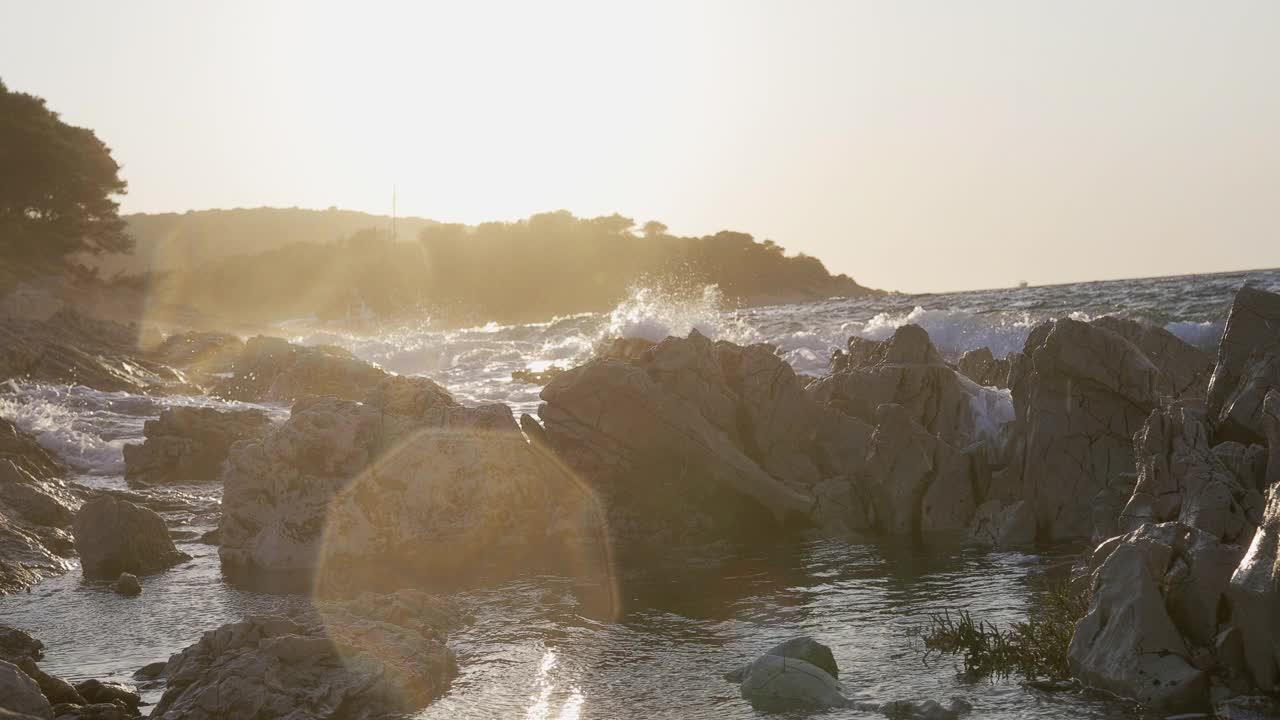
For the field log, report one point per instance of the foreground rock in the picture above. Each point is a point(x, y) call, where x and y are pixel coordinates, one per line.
point(405, 486)
point(984, 368)
point(698, 441)
point(801, 674)
point(36, 508)
point(1254, 594)
point(115, 536)
point(273, 370)
point(1248, 365)
point(189, 444)
point(369, 658)
point(20, 694)
point(1127, 643)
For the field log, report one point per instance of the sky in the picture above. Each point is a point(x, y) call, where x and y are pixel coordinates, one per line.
point(917, 146)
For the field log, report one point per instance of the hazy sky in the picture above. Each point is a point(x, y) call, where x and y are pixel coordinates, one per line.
point(914, 145)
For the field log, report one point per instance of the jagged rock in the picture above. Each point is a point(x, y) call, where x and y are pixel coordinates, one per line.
point(907, 371)
point(204, 354)
point(1181, 478)
point(115, 536)
point(1247, 463)
point(1002, 526)
point(1127, 643)
point(623, 348)
point(409, 484)
point(984, 368)
point(35, 507)
point(1080, 392)
point(271, 369)
point(1248, 365)
point(20, 694)
point(127, 584)
point(74, 349)
point(372, 657)
point(913, 481)
point(1183, 369)
point(95, 711)
point(676, 453)
point(1254, 596)
point(150, 671)
point(189, 444)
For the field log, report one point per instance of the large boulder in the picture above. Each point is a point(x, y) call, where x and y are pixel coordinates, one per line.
point(1181, 478)
point(407, 485)
point(273, 370)
point(1248, 365)
point(697, 441)
point(368, 658)
point(203, 355)
point(1080, 393)
point(907, 370)
point(1128, 644)
point(189, 444)
point(20, 694)
point(115, 536)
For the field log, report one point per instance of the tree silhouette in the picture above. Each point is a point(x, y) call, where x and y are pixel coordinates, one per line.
point(57, 184)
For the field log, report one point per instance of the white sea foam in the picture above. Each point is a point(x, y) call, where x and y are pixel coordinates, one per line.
point(955, 331)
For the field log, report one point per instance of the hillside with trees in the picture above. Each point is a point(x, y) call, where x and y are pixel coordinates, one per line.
point(549, 264)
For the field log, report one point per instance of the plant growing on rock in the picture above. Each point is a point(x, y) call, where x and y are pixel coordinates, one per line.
point(1035, 649)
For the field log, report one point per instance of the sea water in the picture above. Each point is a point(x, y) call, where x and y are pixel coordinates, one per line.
point(534, 649)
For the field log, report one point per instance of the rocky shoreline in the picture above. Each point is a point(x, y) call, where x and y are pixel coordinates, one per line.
point(1163, 458)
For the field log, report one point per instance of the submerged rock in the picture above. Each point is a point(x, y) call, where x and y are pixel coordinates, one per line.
point(127, 585)
point(189, 444)
point(115, 536)
point(799, 672)
point(368, 658)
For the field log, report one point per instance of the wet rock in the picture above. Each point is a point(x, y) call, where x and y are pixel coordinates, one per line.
point(1080, 392)
point(74, 349)
point(1127, 644)
point(1181, 478)
point(20, 694)
point(375, 656)
point(1250, 707)
point(98, 692)
point(212, 537)
point(984, 368)
point(115, 536)
point(127, 585)
point(799, 648)
point(150, 671)
point(95, 711)
point(271, 369)
point(189, 444)
point(407, 485)
point(774, 682)
point(925, 710)
point(1248, 365)
point(202, 354)
point(28, 455)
